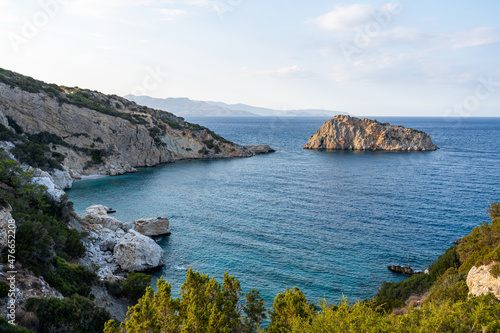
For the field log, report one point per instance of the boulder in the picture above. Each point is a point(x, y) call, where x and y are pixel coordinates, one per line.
point(135, 252)
point(260, 149)
point(408, 271)
point(153, 226)
point(481, 282)
point(97, 214)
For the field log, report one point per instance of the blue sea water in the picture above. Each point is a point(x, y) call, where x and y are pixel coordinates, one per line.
point(326, 222)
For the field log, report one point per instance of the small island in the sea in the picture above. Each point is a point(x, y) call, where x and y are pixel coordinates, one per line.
point(344, 132)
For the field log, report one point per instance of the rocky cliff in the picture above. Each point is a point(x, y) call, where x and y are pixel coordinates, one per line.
point(346, 132)
point(103, 134)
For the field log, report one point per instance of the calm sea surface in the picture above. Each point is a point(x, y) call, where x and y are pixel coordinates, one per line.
point(326, 222)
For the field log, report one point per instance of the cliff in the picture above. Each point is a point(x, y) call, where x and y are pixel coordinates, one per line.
point(350, 133)
point(103, 134)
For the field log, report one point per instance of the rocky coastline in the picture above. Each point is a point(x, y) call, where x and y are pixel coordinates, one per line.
point(344, 132)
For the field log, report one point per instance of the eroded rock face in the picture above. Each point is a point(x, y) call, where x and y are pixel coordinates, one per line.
point(44, 178)
point(349, 133)
point(136, 253)
point(156, 226)
point(124, 144)
point(481, 282)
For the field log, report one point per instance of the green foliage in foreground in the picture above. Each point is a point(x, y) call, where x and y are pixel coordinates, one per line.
point(204, 306)
point(75, 314)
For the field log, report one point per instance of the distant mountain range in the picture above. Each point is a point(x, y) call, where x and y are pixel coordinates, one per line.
point(187, 107)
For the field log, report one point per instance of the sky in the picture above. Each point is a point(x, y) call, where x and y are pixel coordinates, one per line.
point(388, 58)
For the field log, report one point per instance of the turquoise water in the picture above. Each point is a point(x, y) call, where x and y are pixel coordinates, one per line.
point(327, 222)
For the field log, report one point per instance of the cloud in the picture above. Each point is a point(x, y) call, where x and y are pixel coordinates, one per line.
point(278, 73)
point(477, 37)
point(343, 17)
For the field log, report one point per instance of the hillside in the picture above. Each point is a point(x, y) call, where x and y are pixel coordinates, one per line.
point(189, 108)
point(94, 133)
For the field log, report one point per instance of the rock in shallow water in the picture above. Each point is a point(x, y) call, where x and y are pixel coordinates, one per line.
point(349, 133)
point(153, 226)
point(136, 253)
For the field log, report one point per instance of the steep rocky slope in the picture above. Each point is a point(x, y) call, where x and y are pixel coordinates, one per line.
point(346, 132)
point(103, 134)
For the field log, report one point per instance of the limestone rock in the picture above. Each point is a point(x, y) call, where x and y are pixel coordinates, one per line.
point(481, 282)
point(153, 226)
point(350, 133)
point(136, 253)
point(5, 216)
point(128, 136)
point(44, 178)
point(97, 214)
point(260, 149)
point(61, 178)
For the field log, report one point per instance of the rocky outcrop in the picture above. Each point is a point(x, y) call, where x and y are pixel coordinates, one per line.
point(113, 245)
point(98, 214)
point(481, 282)
point(45, 179)
point(136, 253)
point(5, 217)
point(406, 270)
point(349, 133)
point(260, 149)
point(152, 227)
point(106, 134)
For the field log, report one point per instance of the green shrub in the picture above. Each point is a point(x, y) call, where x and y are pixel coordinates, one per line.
point(5, 327)
point(135, 285)
point(76, 314)
point(70, 279)
point(4, 289)
point(36, 155)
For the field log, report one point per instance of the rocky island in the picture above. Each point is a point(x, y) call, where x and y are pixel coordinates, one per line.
point(344, 132)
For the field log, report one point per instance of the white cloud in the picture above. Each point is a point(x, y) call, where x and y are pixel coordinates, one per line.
point(343, 17)
point(476, 37)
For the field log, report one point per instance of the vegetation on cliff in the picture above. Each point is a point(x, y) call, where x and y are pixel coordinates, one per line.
point(107, 104)
point(44, 244)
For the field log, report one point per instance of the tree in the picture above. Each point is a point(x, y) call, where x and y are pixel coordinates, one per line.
point(289, 307)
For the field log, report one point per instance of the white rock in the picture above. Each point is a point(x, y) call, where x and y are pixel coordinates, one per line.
point(481, 282)
point(97, 214)
point(135, 252)
point(61, 179)
point(4, 223)
point(153, 226)
point(43, 178)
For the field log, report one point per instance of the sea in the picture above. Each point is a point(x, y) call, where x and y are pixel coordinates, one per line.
point(327, 222)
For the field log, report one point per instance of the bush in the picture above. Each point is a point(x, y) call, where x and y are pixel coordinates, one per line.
point(76, 314)
point(4, 289)
point(70, 279)
point(5, 327)
point(135, 285)
point(35, 155)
